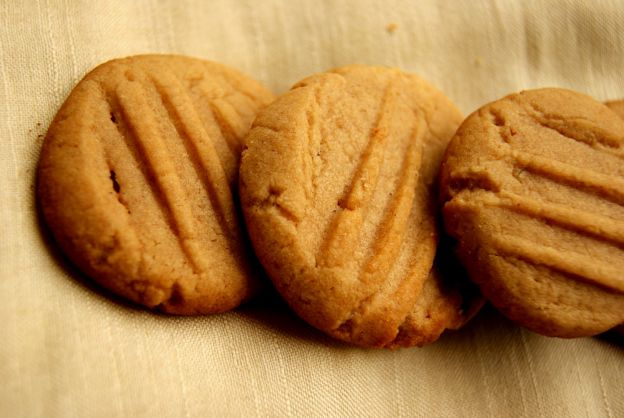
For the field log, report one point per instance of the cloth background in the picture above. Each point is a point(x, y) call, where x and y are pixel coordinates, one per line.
point(68, 349)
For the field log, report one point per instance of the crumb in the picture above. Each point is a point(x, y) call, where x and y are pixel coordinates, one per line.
point(478, 61)
point(391, 27)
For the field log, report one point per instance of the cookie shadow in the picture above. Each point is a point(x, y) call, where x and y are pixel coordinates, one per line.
point(612, 338)
point(486, 323)
point(490, 324)
point(271, 312)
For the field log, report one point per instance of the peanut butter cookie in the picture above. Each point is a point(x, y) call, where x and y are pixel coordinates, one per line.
point(137, 177)
point(533, 186)
point(618, 107)
point(338, 188)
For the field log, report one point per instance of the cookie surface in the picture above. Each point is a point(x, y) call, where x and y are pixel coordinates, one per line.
point(534, 192)
point(137, 177)
point(337, 187)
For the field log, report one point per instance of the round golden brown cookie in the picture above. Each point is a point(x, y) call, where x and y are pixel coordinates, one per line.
point(137, 177)
point(533, 186)
point(338, 190)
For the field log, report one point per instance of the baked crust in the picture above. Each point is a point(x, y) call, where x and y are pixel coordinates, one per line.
point(338, 189)
point(137, 177)
point(533, 191)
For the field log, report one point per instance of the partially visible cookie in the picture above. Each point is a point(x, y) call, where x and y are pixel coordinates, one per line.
point(138, 176)
point(618, 107)
point(338, 188)
point(533, 186)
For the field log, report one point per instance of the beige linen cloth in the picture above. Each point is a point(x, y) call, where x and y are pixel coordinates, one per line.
point(70, 350)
